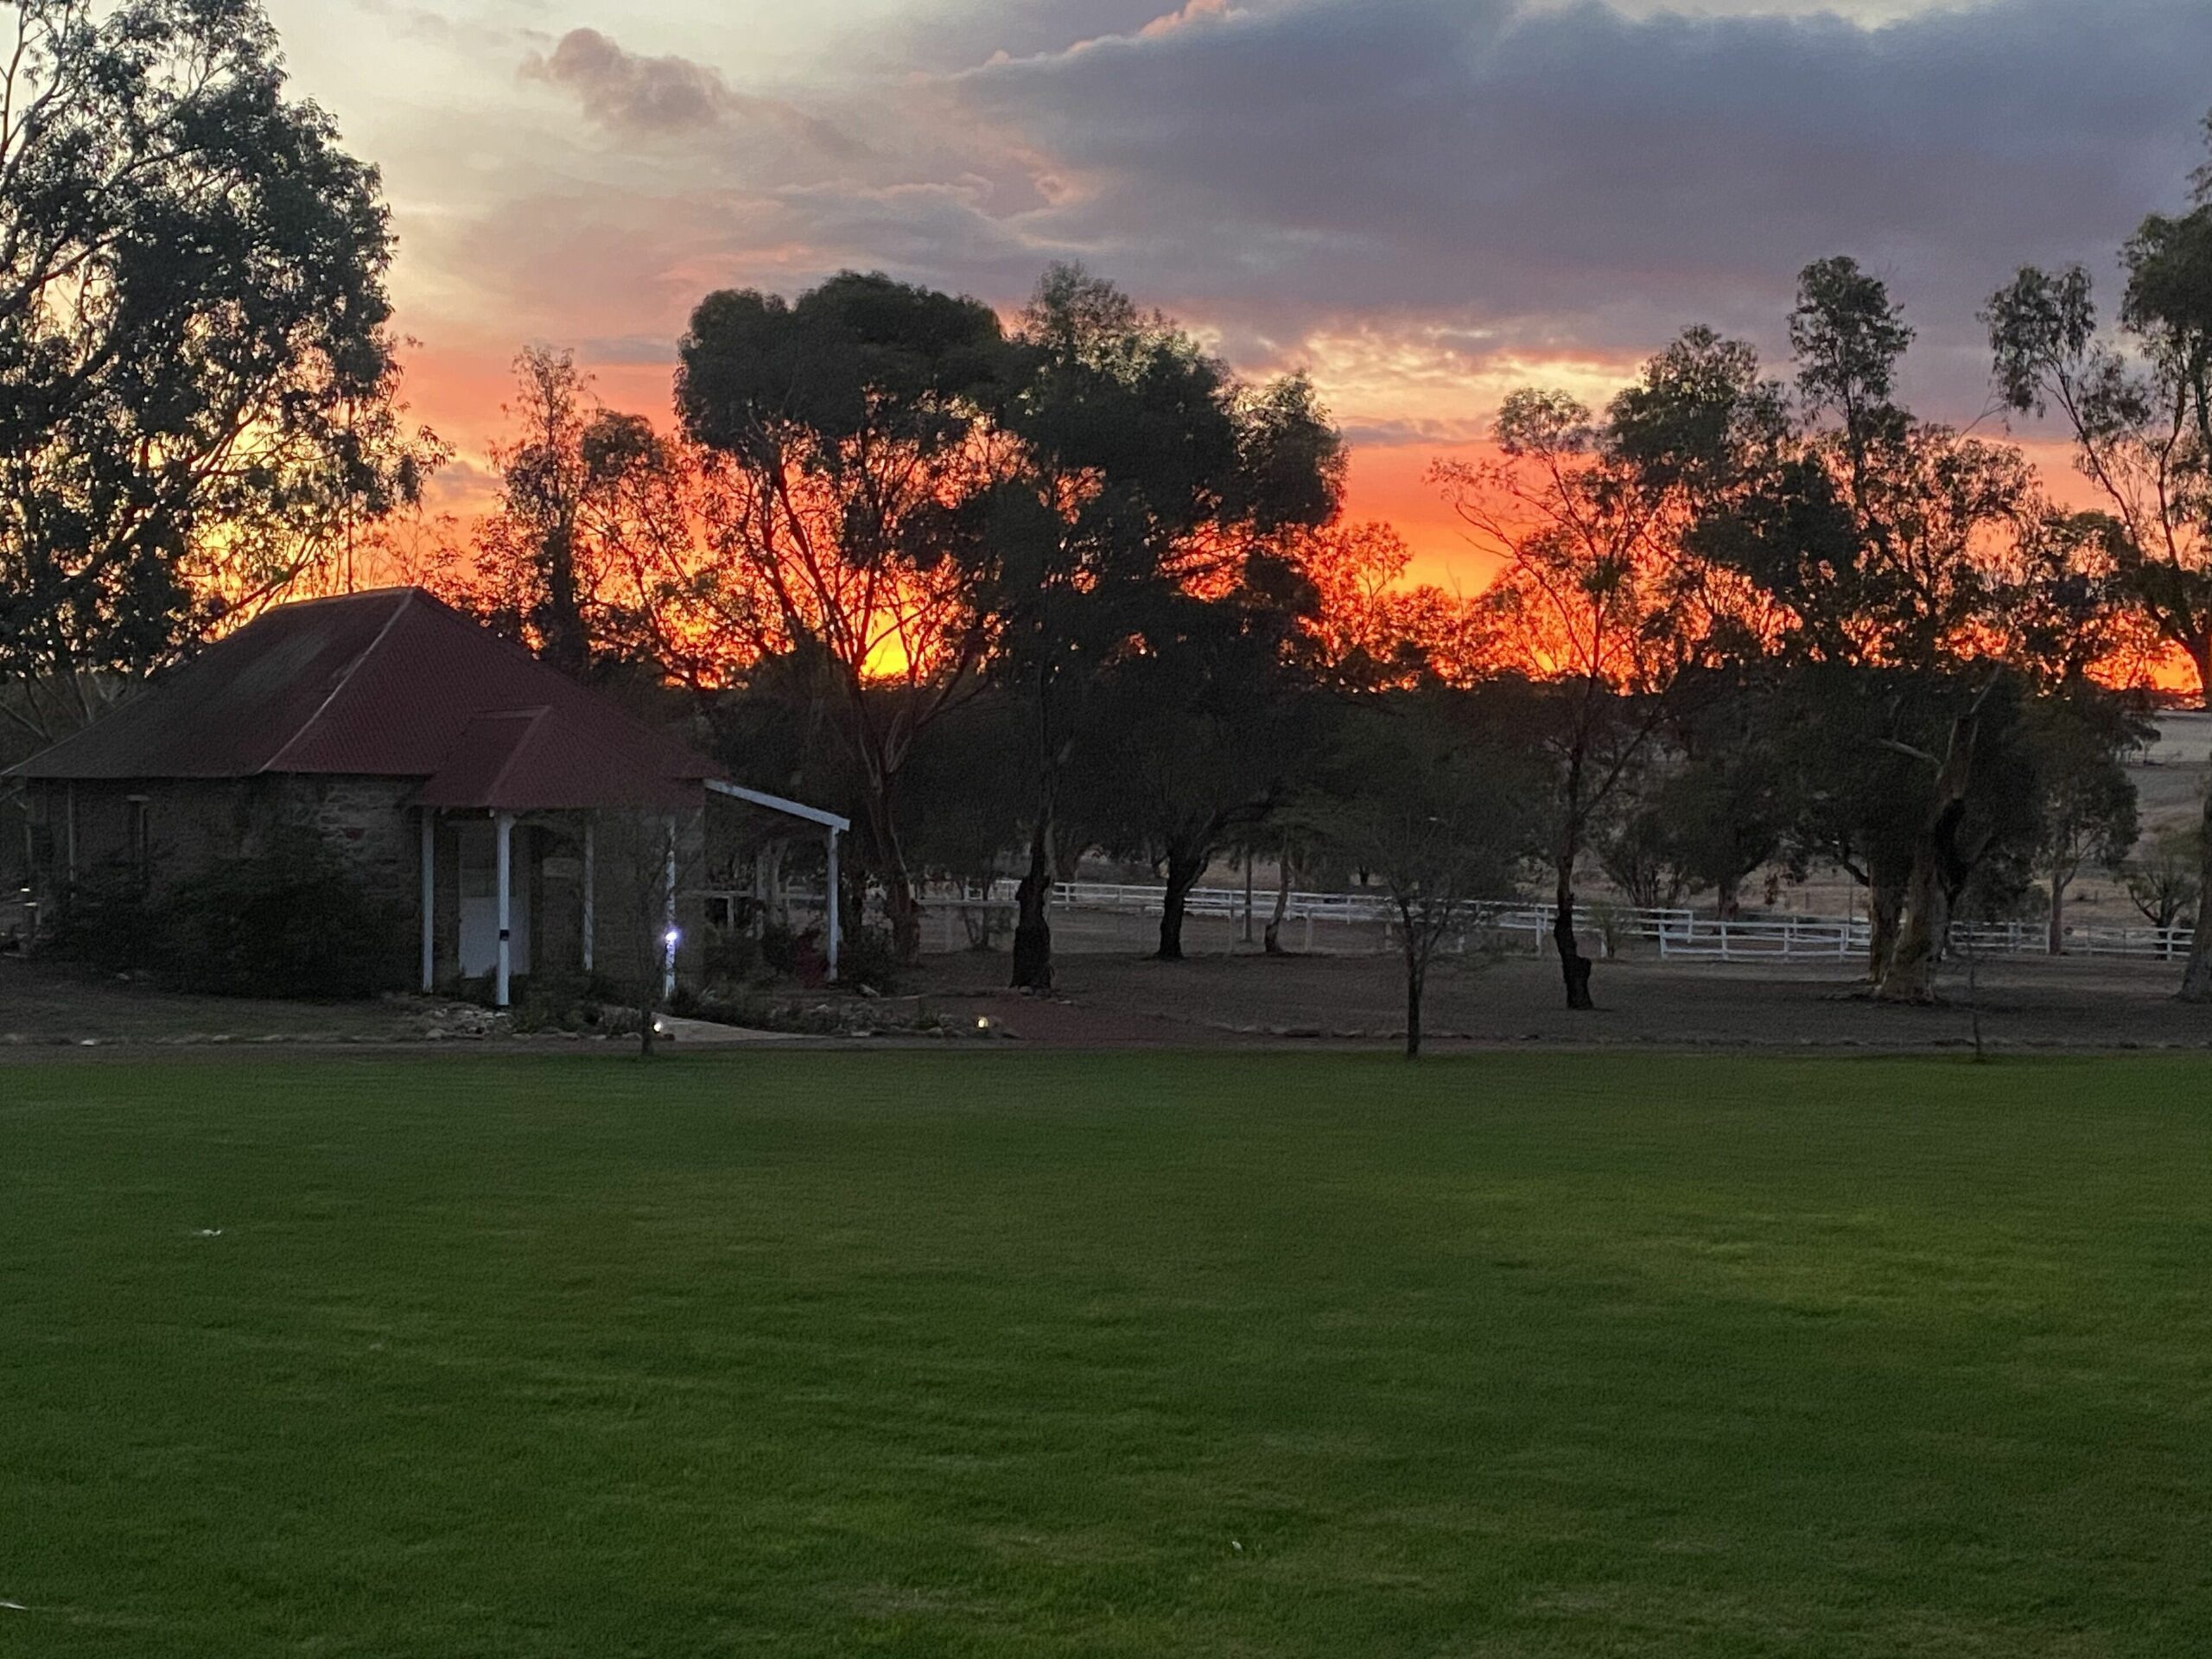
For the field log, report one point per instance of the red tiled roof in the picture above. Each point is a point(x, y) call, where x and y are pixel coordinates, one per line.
point(390, 683)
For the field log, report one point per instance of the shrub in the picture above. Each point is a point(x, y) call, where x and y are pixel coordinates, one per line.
point(867, 961)
point(780, 947)
point(109, 921)
point(732, 957)
point(292, 920)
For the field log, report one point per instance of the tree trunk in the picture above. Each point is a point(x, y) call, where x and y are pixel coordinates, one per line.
point(1415, 973)
point(2196, 977)
point(1885, 905)
point(1183, 872)
point(1573, 966)
point(2057, 914)
point(565, 644)
point(1909, 975)
point(1726, 902)
point(1273, 937)
point(1033, 933)
point(900, 907)
point(2200, 655)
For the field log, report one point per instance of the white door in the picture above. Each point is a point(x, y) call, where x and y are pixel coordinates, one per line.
point(479, 903)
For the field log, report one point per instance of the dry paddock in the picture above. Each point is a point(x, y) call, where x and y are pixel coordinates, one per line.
point(2032, 1003)
point(1121, 998)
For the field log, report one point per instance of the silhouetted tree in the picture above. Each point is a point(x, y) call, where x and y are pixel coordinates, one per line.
point(1196, 740)
point(2079, 738)
point(200, 380)
point(1426, 792)
point(587, 556)
point(1597, 595)
point(1147, 469)
point(857, 454)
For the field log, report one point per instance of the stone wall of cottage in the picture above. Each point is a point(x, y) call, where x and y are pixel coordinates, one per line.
point(162, 829)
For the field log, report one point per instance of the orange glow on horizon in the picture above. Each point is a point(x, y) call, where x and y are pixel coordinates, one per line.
point(461, 393)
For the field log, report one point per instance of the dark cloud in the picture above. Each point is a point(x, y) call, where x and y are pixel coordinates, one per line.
point(666, 96)
point(955, 35)
point(1581, 173)
point(1420, 198)
point(624, 90)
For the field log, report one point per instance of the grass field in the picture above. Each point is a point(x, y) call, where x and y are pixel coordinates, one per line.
point(1138, 1354)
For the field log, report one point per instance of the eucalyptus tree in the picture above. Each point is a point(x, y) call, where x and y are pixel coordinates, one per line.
point(590, 554)
point(855, 456)
point(1598, 593)
point(1147, 473)
point(1876, 540)
point(1196, 741)
point(2134, 404)
point(197, 374)
point(2139, 405)
point(1433, 792)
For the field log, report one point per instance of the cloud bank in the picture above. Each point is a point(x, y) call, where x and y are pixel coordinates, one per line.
point(1424, 200)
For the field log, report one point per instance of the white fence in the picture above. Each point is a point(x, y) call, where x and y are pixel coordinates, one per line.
point(1368, 920)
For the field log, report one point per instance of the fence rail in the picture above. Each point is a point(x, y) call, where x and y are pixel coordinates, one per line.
point(1677, 933)
point(1369, 921)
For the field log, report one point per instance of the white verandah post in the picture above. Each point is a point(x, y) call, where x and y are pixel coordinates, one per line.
point(503, 841)
point(591, 884)
point(429, 899)
point(833, 930)
point(668, 926)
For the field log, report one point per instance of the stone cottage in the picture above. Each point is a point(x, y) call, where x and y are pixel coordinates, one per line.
point(530, 824)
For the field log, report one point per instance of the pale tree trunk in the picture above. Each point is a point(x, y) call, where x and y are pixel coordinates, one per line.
point(1885, 905)
point(899, 906)
point(2196, 977)
point(1274, 936)
point(1909, 975)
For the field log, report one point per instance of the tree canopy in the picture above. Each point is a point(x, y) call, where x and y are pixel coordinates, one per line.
point(197, 373)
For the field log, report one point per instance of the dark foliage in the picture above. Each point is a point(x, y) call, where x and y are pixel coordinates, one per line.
point(290, 919)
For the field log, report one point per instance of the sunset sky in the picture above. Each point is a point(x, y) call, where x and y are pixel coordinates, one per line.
point(1423, 202)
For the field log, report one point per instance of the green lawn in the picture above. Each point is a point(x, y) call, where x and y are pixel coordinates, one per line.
point(1053, 1354)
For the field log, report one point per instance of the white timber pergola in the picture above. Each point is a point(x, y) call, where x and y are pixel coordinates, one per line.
point(833, 925)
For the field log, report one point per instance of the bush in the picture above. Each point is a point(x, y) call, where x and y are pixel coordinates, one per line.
point(588, 1006)
point(732, 957)
point(867, 961)
point(292, 920)
point(780, 947)
point(109, 921)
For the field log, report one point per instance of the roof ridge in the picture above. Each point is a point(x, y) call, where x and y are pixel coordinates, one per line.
point(531, 718)
point(345, 675)
point(560, 675)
